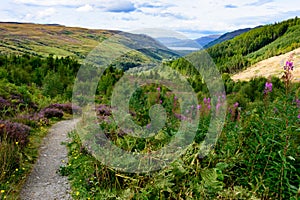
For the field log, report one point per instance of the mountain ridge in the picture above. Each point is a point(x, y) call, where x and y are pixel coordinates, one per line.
point(59, 40)
point(227, 36)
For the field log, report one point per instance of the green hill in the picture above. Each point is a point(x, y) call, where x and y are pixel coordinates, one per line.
point(256, 45)
point(61, 41)
point(227, 36)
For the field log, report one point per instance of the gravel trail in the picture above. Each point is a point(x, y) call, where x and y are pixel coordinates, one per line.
point(44, 182)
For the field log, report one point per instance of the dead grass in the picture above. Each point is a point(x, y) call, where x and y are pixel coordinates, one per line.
point(270, 67)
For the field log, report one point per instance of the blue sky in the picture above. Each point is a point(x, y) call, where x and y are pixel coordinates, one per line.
point(192, 18)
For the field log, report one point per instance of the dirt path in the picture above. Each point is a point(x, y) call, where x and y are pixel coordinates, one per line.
point(44, 183)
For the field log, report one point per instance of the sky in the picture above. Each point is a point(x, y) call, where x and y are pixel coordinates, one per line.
point(190, 18)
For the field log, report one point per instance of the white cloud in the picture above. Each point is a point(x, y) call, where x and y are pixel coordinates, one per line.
point(192, 17)
point(116, 6)
point(51, 2)
point(46, 13)
point(85, 8)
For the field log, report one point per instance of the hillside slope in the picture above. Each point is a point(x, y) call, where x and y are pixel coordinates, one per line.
point(226, 36)
point(207, 39)
point(61, 41)
point(256, 45)
point(270, 67)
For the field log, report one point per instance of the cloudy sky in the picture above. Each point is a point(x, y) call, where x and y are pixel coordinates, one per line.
point(192, 18)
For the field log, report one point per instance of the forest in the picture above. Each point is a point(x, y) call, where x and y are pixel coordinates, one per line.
point(255, 45)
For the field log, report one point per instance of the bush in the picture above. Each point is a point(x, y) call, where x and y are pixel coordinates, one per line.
point(52, 112)
point(67, 108)
point(14, 131)
point(33, 120)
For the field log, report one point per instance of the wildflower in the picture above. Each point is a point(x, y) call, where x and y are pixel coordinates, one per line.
point(289, 65)
point(199, 107)
point(17, 169)
point(2, 191)
point(17, 143)
point(175, 98)
point(77, 193)
point(148, 126)
point(236, 104)
point(160, 101)
point(298, 102)
point(158, 89)
point(218, 106)
point(268, 87)
point(299, 116)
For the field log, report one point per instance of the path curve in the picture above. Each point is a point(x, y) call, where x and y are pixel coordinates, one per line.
point(44, 183)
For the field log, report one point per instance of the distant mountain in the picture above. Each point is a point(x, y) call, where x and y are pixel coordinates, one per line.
point(187, 43)
point(206, 39)
point(42, 40)
point(172, 42)
point(226, 36)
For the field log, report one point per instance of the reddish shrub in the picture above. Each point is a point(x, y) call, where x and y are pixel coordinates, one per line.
point(67, 108)
point(52, 112)
point(14, 131)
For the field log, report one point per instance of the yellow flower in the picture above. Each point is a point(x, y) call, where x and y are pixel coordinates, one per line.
point(17, 169)
point(2, 191)
point(77, 193)
point(17, 143)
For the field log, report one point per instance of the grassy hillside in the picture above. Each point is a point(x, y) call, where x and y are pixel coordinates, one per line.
point(61, 41)
point(256, 45)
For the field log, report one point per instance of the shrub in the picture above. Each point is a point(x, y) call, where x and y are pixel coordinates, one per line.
point(14, 131)
point(52, 112)
point(67, 108)
point(33, 120)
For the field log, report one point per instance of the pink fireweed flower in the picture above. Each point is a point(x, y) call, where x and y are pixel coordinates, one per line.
point(148, 126)
point(236, 104)
point(289, 65)
point(299, 116)
point(268, 87)
point(158, 89)
point(199, 107)
point(218, 106)
point(298, 102)
point(160, 101)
